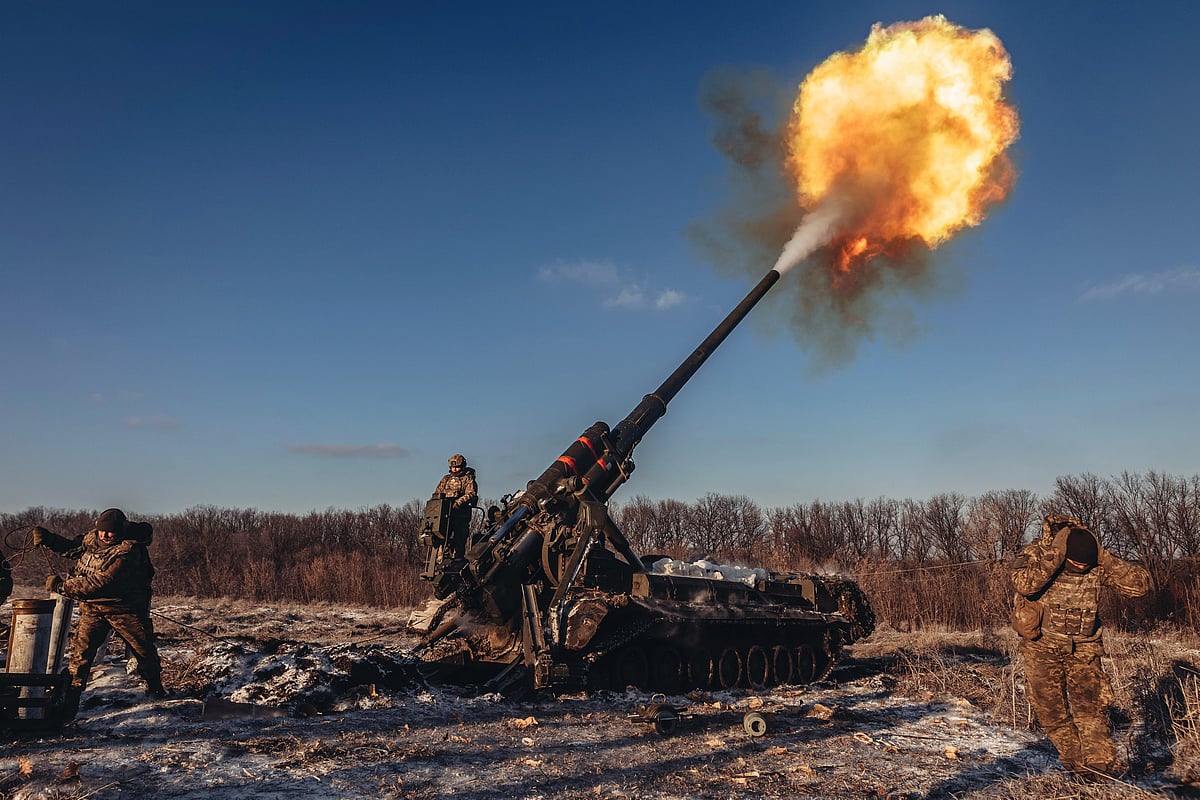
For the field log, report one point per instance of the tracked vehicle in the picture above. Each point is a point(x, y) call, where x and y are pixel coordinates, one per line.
point(551, 596)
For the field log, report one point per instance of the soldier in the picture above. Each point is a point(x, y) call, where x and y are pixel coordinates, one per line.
point(460, 485)
point(1062, 572)
point(111, 581)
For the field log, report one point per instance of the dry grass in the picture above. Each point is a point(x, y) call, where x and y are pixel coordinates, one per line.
point(1155, 677)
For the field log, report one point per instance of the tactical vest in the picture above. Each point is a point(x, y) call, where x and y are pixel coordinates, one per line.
point(132, 590)
point(454, 485)
point(95, 560)
point(1070, 604)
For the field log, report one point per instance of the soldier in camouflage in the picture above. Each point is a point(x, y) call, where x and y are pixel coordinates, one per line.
point(460, 485)
point(111, 581)
point(1063, 571)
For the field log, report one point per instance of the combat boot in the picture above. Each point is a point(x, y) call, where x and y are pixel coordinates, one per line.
point(154, 689)
point(70, 703)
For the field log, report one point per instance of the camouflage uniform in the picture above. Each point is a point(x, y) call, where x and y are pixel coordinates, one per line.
point(1064, 671)
point(461, 486)
point(112, 584)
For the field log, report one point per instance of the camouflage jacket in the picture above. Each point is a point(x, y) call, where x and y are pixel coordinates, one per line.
point(107, 578)
point(1070, 600)
point(461, 487)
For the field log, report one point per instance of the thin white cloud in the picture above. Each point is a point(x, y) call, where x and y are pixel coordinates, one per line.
point(620, 291)
point(159, 421)
point(350, 450)
point(95, 399)
point(590, 273)
point(631, 297)
point(669, 299)
point(1146, 284)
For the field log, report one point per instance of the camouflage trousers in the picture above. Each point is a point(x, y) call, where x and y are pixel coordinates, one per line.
point(1070, 694)
point(134, 627)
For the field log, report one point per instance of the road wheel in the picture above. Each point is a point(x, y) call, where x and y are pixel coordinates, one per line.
point(781, 665)
point(805, 664)
point(758, 667)
point(729, 668)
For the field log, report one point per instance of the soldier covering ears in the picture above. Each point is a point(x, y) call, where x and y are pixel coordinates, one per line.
point(1057, 579)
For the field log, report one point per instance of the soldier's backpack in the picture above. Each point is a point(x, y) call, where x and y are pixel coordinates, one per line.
point(140, 532)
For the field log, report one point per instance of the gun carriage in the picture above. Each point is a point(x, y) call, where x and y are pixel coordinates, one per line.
point(551, 594)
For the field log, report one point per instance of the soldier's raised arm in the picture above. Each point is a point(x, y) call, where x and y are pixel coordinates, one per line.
point(1039, 562)
point(1127, 578)
point(71, 548)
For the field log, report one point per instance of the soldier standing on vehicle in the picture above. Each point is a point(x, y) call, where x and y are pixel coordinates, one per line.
point(111, 581)
point(460, 485)
point(1062, 572)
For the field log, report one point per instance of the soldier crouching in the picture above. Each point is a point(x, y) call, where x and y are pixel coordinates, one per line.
point(1057, 579)
point(111, 581)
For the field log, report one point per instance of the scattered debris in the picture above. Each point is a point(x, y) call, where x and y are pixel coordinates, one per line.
point(325, 723)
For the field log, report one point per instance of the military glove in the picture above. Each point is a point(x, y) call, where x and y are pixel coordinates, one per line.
point(39, 535)
point(54, 584)
point(460, 502)
point(1060, 543)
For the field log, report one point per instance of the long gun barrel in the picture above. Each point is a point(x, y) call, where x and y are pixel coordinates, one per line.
point(554, 594)
point(574, 490)
point(625, 437)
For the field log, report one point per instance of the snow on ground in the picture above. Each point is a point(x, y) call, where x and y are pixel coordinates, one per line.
point(321, 702)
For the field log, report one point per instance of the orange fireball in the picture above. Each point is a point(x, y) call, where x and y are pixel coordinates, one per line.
point(907, 135)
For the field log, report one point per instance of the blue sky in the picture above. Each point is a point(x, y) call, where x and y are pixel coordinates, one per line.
point(291, 256)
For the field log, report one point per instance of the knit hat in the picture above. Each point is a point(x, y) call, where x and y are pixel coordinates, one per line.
point(112, 519)
point(1082, 546)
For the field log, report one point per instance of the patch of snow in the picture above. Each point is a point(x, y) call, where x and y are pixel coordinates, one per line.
point(709, 569)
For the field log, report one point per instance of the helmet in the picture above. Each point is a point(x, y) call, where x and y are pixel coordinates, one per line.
point(457, 460)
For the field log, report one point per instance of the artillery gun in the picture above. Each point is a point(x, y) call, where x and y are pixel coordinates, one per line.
point(552, 596)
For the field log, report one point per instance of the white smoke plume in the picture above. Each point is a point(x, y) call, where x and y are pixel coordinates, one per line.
point(816, 231)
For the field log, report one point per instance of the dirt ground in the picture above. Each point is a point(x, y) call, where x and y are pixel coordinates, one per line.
point(314, 702)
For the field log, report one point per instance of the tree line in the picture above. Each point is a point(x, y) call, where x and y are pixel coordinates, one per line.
point(940, 561)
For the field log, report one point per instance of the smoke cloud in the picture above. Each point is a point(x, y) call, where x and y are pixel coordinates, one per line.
point(885, 153)
point(829, 314)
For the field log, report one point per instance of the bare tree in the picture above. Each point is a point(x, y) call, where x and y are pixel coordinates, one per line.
point(913, 544)
point(1084, 497)
point(726, 525)
point(791, 535)
point(944, 520)
point(1186, 518)
point(826, 535)
point(998, 522)
point(654, 526)
point(883, 521)
point(1140, 522)
point(855, 530)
